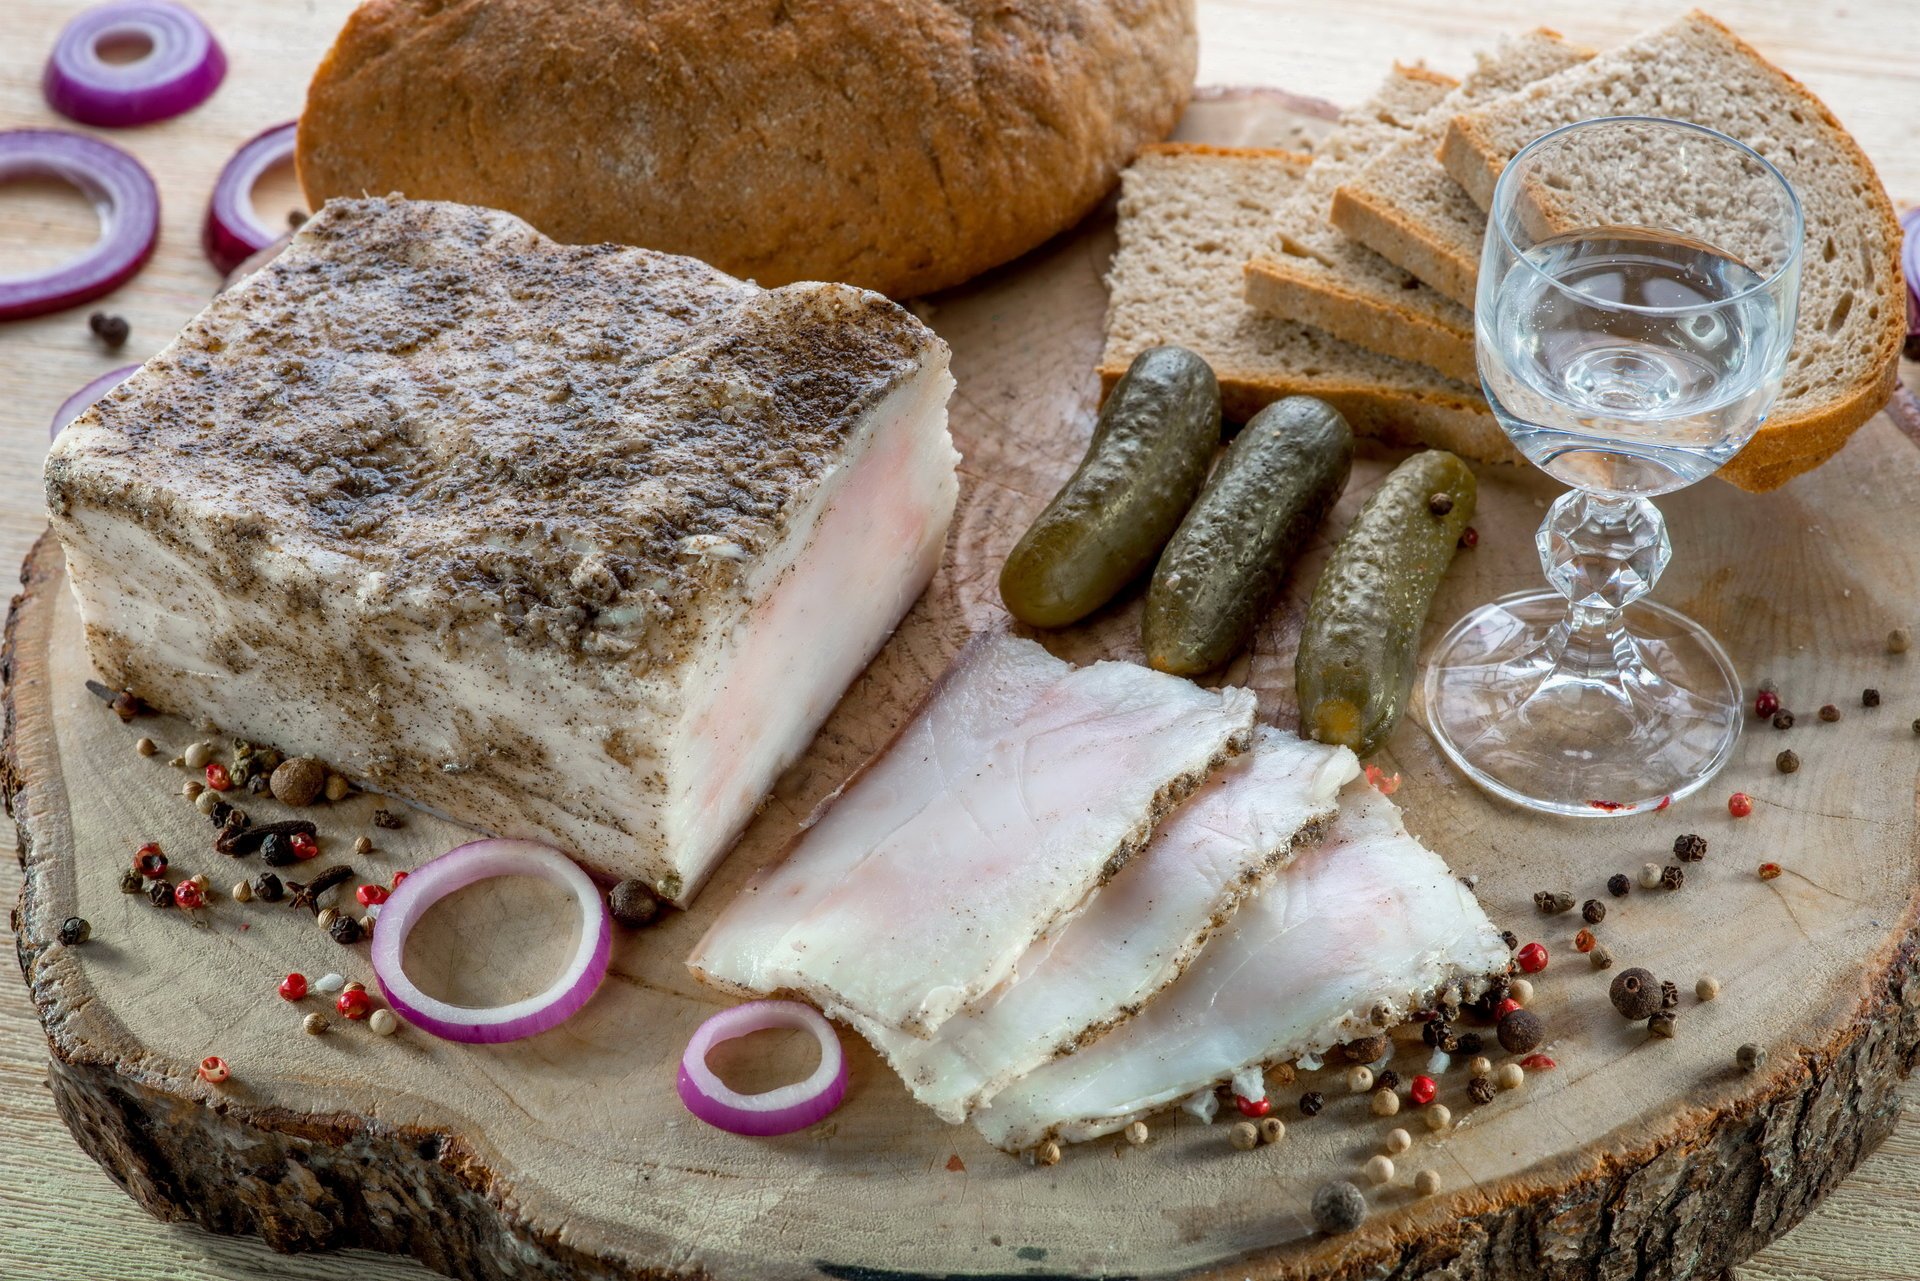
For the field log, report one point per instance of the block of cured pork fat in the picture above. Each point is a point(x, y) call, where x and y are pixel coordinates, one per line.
point(576, 543)
point(1250, 817)
point(1022, 784)
point(1368, 915)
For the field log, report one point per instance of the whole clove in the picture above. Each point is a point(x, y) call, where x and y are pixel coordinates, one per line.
point(306, 895)
point(246, 839)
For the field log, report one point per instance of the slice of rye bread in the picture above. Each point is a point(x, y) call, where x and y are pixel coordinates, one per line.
point(1313, 273)
point(1190, 217)
point(1846, 344)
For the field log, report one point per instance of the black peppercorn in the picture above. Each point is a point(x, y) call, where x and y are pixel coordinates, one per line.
point(1553, 902)
point(267, 888)
point(1386, 1080)
point(1869, 698)
point(386, 819)
point(1472, 1043)
point(1521, 1031)
point(1593, 911)
point(1787, 762)
point(108, 328)
point(161, 894)
point(1662, 1024)
point(1635, 993)
point(1512, 940)
point(277, 851)
point(1480, 1090)
point(1783, 719)
point(1829, 713)
point(131, 882)
point(634, 905)
point(1669, 994)
point(1440, 504)
point(1311, 1102)
point(1435, 1032)
point(345, 929)
point(1690, 848)
point(1619, 885)
point(1339, 1207)
point(220, 813)
point(1671, 877)
point(74, 931)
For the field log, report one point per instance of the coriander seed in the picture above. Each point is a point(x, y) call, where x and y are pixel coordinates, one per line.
point(338, 788)
point(1480, 1065)
point(198, 754)
point(192, 788)
point(326, 917)
point(362, 845)
point(1706, 987)
point(1048, 1153)
point(206, 800)
point(241, 892)
point(146, 746)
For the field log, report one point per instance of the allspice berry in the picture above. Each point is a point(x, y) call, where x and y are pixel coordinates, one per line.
point(1635, 993)
point(298, 781)
point(1662, 1024)
point(1521, 1031)
point(633, 903)
point(1339, 1207)
point(1751, 1057)
point(1244, 1135)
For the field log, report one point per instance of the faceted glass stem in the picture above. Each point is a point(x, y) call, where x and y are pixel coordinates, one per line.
point(1602, 553)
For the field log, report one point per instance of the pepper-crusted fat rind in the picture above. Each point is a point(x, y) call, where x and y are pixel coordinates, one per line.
point(572, 543)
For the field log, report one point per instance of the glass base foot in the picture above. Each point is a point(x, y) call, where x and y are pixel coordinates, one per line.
point(1595, 739)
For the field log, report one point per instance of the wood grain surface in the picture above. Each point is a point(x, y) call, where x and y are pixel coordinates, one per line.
point(59, 1217)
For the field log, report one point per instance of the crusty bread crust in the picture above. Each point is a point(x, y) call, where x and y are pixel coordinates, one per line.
point(900, 145)
point(1791, 443)
point(1277, 286)
point(1385, 229)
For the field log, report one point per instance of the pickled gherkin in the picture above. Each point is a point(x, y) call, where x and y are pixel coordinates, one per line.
point(1148, 458)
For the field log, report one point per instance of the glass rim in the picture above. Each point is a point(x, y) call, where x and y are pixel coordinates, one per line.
point(1796, 240)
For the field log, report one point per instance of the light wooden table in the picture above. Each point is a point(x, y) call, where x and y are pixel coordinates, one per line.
point(59, 1216)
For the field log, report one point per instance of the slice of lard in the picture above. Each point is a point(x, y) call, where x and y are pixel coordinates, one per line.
point(1023, 784)
point(567, 542)
point(1367, 915)
point(1140, 932)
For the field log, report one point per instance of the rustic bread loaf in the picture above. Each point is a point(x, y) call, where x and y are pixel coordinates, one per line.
point(1313, 273)
point(1846, 346)
point(1190, 217)
point(901, 145)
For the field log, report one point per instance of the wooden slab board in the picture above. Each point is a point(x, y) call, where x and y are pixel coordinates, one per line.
point(569, 1155)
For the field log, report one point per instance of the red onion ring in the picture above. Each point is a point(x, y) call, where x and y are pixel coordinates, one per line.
point(123, 198)
point(778, 1111)
point(234, 231)
point(182, 67)
point(81, 401)
point(457, 869)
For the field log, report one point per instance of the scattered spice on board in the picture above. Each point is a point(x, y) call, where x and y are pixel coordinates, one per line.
point(1532, 958)
point(1480, 1089)
point(267, 888)
point(1471, 1043)
point(1339, 1206)
point(1766, 702)
point(1663, 1024)
point(214, 1070)
point(1272, 1130)
point(1751, 1057)
point(1739, 805)
point(1048, 1153)
point(362, 845)
point(1649, 876)
point(1553, 902)
point(1387, 1080)
point(145, 746)
point(1829, 713)
point(1706, 987)
point(1768, 871)
point(131, 882)
point(1584, 941)
point(1360, 1080)
point(150, 861)
point(1869, 698)
point(1385, 1102)
point(1469, 538)
point(1521, 1031)
point(1398, 1141)
point(1538, 1063)
point(1783, 719)
point(160, 894)
point(1427, 1182)
point(1521, 990)
point(314, 1023)
point(307, 895)
point(1511, 1076)
point(1311, 1102)
point(109, 328)
point(386, 820)
point(346, 930)
point(1511, 939)
point(293, 987)
point(354, 1003)
point(1899, 641)
point(1423, 1090)
point(1593, 911)
point(1438, 1117)
point(1245, 1136)
point(1618, 885)
point(1690, 847)
point(383, 1023)
point(1440, 504)
point(1672, 876)
point(1137, 1133)
point(1379, 1168)
point(1787, 762)
point(74, 931)
point(1251, 1107)
point(1669, 994)
point(298, 781)
point(633, 903)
